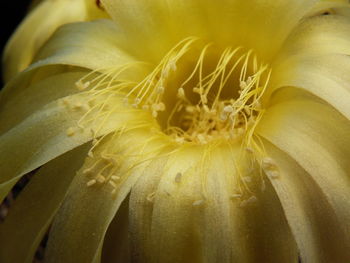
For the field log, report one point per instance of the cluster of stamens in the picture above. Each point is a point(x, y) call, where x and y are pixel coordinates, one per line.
point(201, 112)
point(212, 101)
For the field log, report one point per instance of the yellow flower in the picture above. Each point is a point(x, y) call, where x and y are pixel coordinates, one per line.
point(184, 131)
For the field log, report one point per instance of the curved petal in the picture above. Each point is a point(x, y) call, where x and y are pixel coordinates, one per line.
point(314, 186)
point(91, 45)
point(319, 35)
point(27, 101)
point(311, 218)
point(325, 76)
point(192, 217)
point(36, 29)
point(34, 209)
point(53, 131)
point(78, 230)
point(262, 25)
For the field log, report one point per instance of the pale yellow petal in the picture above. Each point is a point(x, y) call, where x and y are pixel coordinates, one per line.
point(316, 228)
point(90, 208)
point(261, 25)
point(320, 35)
point(165, 234)
point(314, 186)
point(32, 212)
point(189, 213)
point(91, 45)
point(39, 25)
point(53, 131)
point(326, 76)
point(27, 101)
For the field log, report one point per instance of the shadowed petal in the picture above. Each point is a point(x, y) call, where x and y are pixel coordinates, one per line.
point(38, 26)
point(27, 101)
point(189, 213)
point(79, 229)
point(51, 132)
point(314, 186)
point(34, 209)
point(90, 45)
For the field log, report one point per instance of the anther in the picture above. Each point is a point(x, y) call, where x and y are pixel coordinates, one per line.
point(101, 179)
point(198, 203)
point(91, 182)
point(249, 150)
point(249, 80)
point(235, 196)
point(247, 179)
point(248, 201)
point(269, 164)
point(181, 93)
point(115, 178)
point(243, 84)
point(112, 184)
point(70, 131)
point(160, 90)
point(228, 109)
point(88, 171)
point(81, 85)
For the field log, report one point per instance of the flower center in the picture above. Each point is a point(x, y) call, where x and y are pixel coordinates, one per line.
point(200, 93)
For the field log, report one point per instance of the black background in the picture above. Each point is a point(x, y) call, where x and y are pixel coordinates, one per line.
point(12, 12)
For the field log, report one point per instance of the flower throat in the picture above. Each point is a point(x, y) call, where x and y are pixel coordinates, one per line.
point(200, 95)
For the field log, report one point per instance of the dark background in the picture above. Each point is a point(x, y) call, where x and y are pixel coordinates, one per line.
point(12, 12)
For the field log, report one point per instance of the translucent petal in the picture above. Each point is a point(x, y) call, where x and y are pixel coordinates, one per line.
point(78, 231)
point(326, 76)
point(27, 101)
point(262, 25)
point(38, 26)
point(319, 35)
point(314, 186)
point(32, 212)
point(193, 217)
point(91, 45)
point(44, 136)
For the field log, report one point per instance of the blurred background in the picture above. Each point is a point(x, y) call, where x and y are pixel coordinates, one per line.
point(13, 12)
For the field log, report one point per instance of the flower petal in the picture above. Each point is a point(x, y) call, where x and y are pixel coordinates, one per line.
point(34, 209)
point(314, 186)
point(43, 136)
point(36, 29)
point(262, 25)
point(27, 101)
point(91, 45)
point(192, 217)
point(79, 228)
point(325, 76)
point(320, 35)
